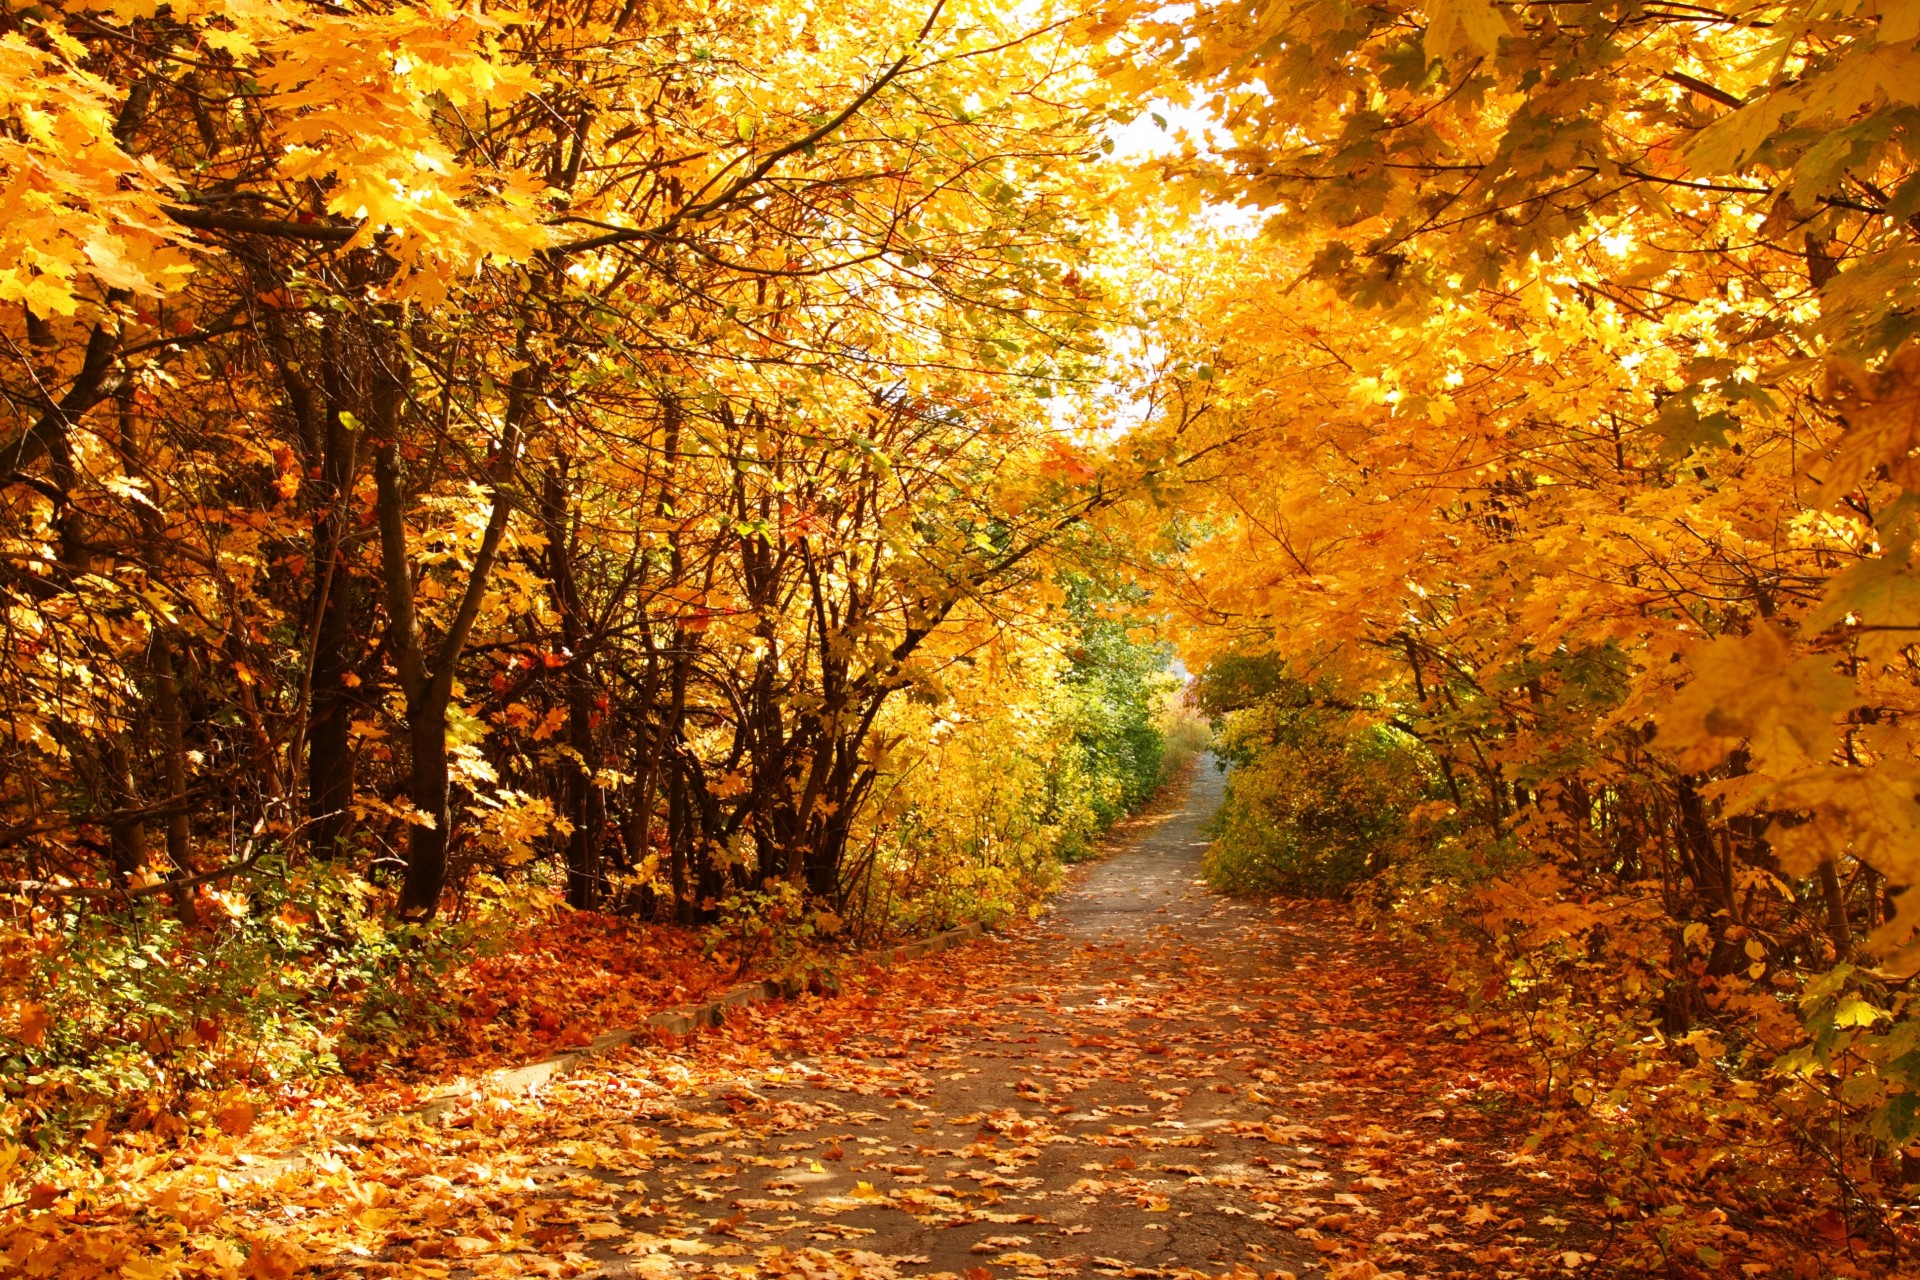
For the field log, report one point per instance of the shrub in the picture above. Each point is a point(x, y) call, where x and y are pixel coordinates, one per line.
point(1018, 773)
point(122, 1016)
point(1317, 799)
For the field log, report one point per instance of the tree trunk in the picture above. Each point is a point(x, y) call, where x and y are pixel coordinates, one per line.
point(428, 683)
point(428, 785)
point(126, 836)
point(337, 598)
point(581, 801)
point(173, 750)
point(330, 761)
point(1839, 927)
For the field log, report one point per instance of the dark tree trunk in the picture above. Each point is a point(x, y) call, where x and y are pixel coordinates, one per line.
point(336, 640)
point(427, 681)
point(427, 784)
point(330, 759)
point(173, 750)
point(126, 836)
point(582, 802)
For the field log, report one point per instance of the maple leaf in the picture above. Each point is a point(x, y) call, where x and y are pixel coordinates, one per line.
point(31, 1020)
point(1750, 689)
point(273, 1259)
point(1882, 410)
point(235, 1116)
point(1879, 595)
point(1455, 27)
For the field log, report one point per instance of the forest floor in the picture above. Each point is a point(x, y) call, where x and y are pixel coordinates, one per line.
point(1150, 1080)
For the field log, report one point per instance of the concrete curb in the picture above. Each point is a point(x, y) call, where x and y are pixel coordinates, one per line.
point(679, 1022)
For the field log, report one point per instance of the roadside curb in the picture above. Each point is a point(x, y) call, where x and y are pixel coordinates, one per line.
point(682, 1021)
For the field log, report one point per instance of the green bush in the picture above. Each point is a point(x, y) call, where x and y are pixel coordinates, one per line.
point(123, 1015)
point(1319, 794)
point(1116, 687)
point(1001, 789)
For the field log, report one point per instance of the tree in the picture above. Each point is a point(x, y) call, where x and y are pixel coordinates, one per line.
point(386, 357)
point(1559, 413)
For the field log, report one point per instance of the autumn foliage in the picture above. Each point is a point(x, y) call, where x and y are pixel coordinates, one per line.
point(1553, 390)
point(462, 460)
point(566, 505)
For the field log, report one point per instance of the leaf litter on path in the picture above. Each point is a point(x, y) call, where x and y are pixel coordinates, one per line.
point(1176, 1086)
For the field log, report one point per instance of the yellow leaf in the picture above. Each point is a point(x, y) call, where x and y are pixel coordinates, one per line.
point(1882, 413)
point(1749, 689)
point(1464, 26)
point(1855, 1012)
point(1881, 596)
point(237, 43)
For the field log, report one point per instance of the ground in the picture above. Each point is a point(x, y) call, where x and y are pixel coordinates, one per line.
point(1151, 1080)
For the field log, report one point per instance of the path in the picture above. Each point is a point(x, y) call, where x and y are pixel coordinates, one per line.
point(1152, 1080)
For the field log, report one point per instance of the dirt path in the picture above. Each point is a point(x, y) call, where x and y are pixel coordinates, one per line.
point(1151, 1080)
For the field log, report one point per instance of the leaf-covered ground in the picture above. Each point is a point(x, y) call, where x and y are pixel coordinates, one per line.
point(1151, 1081)
point(557, 982)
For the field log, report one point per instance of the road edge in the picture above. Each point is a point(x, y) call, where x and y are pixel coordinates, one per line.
point(681, 1021)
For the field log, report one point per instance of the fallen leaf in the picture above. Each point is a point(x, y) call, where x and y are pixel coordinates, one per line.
point(234, 1116)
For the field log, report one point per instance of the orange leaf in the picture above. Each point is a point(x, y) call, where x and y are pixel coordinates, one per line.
point(273, 1260)
point(235, 1118)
